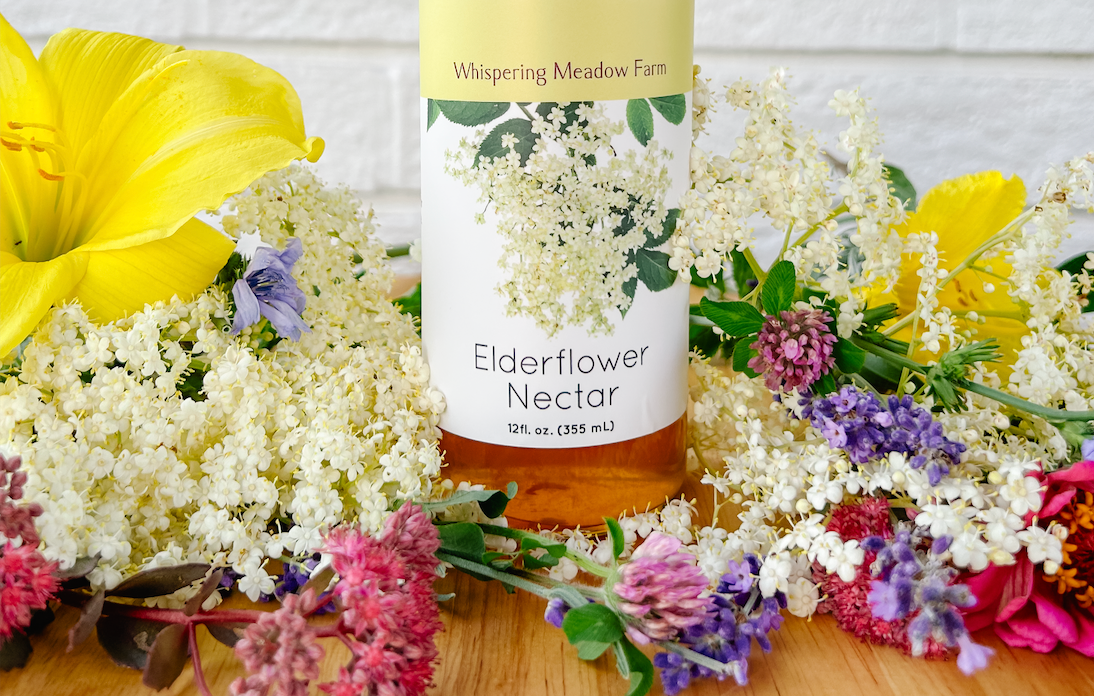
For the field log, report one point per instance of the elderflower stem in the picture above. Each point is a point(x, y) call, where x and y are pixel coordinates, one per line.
point(993, 241)
point(757, 270)
point(526, 113)
point(698, 658)
point(836, 212)
point(396, 251)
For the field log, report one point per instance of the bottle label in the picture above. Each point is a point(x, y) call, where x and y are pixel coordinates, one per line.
point(555, 146)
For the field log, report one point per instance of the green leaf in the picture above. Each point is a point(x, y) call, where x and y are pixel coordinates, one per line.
point(433, 110)
point(849, 357)
point(742, 353)
point(640, 120)
point(632, 663)
point(825, 385)
point(667, 228)
point(653, 270)
point(472, 113)
point(590, 650)
point(742, 272)
point(520, 128)
point(674, 108)
point(875, 316)
point(463, 539)
point(616, 532)
point(778, 290)
point(902, 188)
point(492, 503)
point(735, 318)
point(880, 373)
point(592, 623)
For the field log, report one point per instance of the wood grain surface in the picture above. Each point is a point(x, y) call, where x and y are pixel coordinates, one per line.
point(499, 645)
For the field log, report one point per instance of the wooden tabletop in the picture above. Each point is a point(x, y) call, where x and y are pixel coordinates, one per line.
point(499, 645)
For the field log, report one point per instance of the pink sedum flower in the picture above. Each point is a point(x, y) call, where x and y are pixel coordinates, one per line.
point(279, 651)
point(793, 349)
point(26, 577)
point(661, 589)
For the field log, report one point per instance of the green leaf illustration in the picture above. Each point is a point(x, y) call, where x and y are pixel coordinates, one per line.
point(673, 108)
point(778, 290)
point(653, 270)
point(640, 120)
point(472, 113)
point(433, 110)
point(902, 188)
point(520, 128)
point(630, 286)
point(735, 318)
point(667, 228)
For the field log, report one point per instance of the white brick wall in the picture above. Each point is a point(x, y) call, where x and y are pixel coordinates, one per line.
point(959, 85)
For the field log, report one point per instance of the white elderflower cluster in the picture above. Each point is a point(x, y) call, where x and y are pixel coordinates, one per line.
point(937, 322)
point(161, 438)
point(572, 216)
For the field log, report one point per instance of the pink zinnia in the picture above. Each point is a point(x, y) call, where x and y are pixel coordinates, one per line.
point(661, 589)
point(793, 349)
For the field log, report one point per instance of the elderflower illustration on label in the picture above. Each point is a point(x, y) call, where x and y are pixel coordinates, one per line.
point(551, 181)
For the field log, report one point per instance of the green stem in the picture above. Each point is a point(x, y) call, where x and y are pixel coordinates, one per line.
point(757, 270)
point(507, 578)
point(836, 212)
point(698, 658)
point(526, 113)
point(396, 251)
point(584, 562)
point(1050, 414)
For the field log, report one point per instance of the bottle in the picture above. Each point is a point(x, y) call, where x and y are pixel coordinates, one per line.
point(555, 147)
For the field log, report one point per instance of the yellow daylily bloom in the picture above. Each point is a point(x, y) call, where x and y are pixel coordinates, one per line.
point(111, 145)
point(964, 213)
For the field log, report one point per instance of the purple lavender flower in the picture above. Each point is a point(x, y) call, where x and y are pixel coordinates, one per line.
point(865, 428)
point(267, 289)
point(793, 349)
point(725, 634)
point(1088, 449)
point(914, 579)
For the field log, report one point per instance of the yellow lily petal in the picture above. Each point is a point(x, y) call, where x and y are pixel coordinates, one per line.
point(25, 97)
point(28, 290)
point(197, 127)
point(122, 281)
point(90, 70)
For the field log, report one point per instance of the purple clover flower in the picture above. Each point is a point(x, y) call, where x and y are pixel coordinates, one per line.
point(865, 428)
point(793, 349)
point(267, 289)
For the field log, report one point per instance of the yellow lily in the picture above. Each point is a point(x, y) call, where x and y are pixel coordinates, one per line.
point(965, 213)
point(111, 145)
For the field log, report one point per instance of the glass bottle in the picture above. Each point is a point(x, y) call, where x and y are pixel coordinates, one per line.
point(555, 146)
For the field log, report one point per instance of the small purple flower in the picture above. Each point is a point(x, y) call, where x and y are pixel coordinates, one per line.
point(267, 289)
point(973, 656)
point(793, 349)
point(1088, 449)
point(555, 612)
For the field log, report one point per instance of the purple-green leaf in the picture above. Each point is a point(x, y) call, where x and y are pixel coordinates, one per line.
point(128, 640)
point(193, 605)
point(167, 658)
point(89, 616)
point(227, 633)
point(156, 582)
point(81, 567)
point(14, 651)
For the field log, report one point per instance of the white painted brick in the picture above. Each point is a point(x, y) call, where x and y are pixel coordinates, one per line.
point(384, 21)
point(159, 19)
point(939, 122)
point(924, 25)
point(1047, 26)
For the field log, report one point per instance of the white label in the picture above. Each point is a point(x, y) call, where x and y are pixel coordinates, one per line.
point(522, 322)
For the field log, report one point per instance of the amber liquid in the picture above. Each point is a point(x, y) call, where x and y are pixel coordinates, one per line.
point(579, 485)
